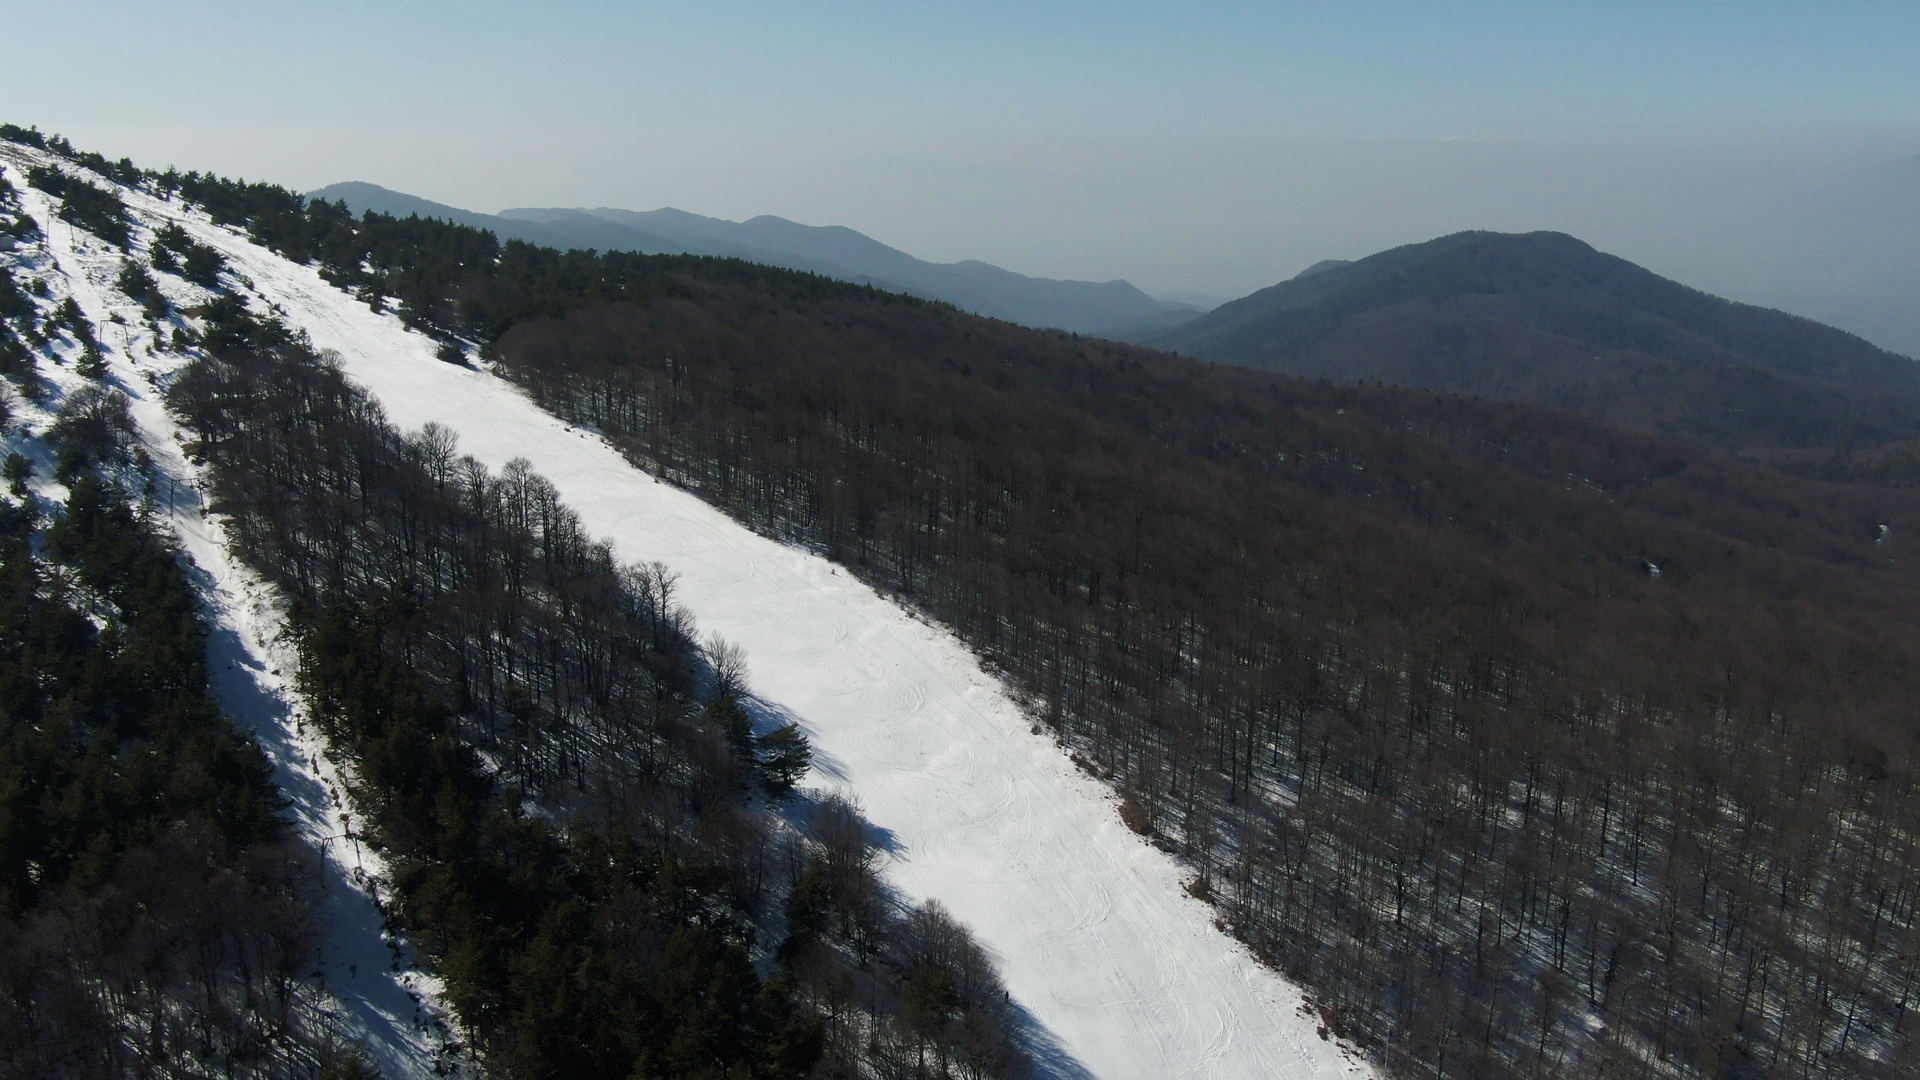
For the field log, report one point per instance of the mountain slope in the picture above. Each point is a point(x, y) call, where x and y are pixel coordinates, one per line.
point(1081, 306)
point(1529, 743)
point(1120, 972)
point(380, 999)
point(1099, 943)
point(833, 250)
point(560, 233)
point(1545, 319)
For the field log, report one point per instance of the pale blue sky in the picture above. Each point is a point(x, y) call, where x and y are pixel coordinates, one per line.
point(1209, 147)
point(1376, 69)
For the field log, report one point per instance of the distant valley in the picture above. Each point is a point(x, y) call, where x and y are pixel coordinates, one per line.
point(1110, 308)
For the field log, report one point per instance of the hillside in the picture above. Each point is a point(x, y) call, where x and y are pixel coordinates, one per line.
point(1079, 306)
point(834, 251)
point(1544, 319)
point(475, 668)
point(1510, 734)
point(157, 747)
point(254, 895)
point(1525, 743)
point(1477, 720)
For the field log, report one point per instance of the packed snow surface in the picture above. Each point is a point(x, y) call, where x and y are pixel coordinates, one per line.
point(1126, 975)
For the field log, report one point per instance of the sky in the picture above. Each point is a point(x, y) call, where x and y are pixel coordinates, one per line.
point(1194, 148)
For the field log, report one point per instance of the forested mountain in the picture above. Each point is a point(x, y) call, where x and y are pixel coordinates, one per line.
point(154, 916)
point(837, 251)
point(360, 198)
point(157, 916)
point(1533, 745)
point(834, 251)
point(1542, 318)
point(468, 646)
point(577, 818)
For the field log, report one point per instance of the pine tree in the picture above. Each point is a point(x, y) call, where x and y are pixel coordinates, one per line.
point(17, 470)
point(788, 756)
point(202, 266)
point(139, 285)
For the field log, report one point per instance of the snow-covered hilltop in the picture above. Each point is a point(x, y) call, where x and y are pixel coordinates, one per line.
point(1121, 971)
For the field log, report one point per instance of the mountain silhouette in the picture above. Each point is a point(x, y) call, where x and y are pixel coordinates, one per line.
point(1543, 318)
point(1108, 307)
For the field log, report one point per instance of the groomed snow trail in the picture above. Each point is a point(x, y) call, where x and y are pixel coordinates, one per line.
point(1095, 936)
point(383, 1002)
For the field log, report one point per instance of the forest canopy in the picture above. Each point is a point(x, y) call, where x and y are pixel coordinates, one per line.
point(1528, 744)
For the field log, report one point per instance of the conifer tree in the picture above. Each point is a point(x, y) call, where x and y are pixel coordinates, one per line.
point(788, 755)
point(202, 266)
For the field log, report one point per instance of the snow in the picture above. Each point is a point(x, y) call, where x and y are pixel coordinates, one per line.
point(1126, 974)
point(380, 999)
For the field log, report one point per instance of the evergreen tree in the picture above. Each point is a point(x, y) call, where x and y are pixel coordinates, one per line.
point(203, 265)
point(787, 757)
point(139, 285)
point(140, 832)
point(17, 470)
point(29, 136)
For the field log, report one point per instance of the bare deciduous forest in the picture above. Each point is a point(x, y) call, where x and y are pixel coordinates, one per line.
point(559, 774)
point(1528, 745)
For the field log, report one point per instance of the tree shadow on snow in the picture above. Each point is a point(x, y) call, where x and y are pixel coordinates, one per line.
point(1050, 1060)
point(770, 716)
point(804, 806)
point(364, 971)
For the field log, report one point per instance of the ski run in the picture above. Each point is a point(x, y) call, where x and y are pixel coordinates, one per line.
point(1122, 973)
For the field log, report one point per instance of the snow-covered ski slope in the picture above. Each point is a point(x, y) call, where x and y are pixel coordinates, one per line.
point(380, 999)
point(1126, 974)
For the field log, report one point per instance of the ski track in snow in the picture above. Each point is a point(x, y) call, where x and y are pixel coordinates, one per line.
point(1122, 974)
point(382, 1000)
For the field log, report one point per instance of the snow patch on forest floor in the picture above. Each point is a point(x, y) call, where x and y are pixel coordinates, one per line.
point(1098, 941)
point(384, 1000)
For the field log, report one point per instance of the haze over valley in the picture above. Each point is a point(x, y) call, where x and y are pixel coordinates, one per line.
point(1108, 308)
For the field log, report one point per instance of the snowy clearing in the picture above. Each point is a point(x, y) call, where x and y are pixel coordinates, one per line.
point(383, 1001)
point(1126, 974)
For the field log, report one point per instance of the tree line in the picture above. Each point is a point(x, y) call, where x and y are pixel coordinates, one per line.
point(98, 210)
point(1526, 744)
point(1395, 671)
point(593, 904)
point(155, 918)
point(559, 774)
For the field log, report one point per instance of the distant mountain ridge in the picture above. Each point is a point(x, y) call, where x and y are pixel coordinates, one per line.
point(1322, 267)
point(1545, 319)
point(1110, 307)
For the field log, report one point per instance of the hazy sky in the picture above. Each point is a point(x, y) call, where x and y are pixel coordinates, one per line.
point(1194, 147)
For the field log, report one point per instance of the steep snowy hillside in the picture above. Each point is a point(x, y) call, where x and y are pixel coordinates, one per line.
point(1125, 974)
point(383, 1001)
